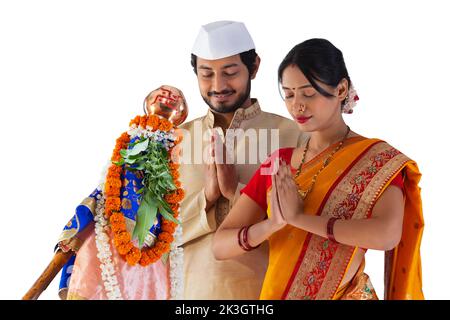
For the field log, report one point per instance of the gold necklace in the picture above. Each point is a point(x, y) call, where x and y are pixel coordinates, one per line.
point(305, 193)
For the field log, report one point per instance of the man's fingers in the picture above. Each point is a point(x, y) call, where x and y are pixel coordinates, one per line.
point(211, 171)
point(218, 148)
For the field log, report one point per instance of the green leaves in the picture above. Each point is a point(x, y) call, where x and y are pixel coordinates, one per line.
point(151, 158)
point(145, 218)
point(168, 215)
point(138, 147)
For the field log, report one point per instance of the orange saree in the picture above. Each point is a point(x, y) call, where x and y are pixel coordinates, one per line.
point(306, 266)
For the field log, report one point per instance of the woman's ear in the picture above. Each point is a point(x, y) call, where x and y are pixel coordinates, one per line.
point(256, 67)
point(342, 89)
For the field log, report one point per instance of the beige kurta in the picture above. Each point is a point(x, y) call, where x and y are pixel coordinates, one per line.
point(240, 277)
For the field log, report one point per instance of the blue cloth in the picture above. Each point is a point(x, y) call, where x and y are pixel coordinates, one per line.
point(84, 216)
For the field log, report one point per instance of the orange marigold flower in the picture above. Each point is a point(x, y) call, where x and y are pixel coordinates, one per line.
point(123, 237)
point(117, 218)
point(153, 121)
point(165, 125)
point(123, 249)
point(168, 226)
point(135, 120)
point(162, 246)
point(109, 212)
point(174, 166)
point(112, 176)
point(157, 252)
point(168, 223)
point(119, 146)
point(181, 193)
point(152, 256)
point(112, 187)
point(114, 183)
point(168, 229)
point(117, 242)
point(175, 196)
point(171, 198)
point(113, 203)
point(124, 137)
point(115, 170)
point(111, 191)
point(175, 207)
point(133, 256)
point(145, 260)
point(118, 227)
point(122, 142)
point(175, 174)
point(166, 237)
point(143, 121)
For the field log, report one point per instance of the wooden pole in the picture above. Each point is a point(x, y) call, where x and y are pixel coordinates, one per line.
point(58, 261)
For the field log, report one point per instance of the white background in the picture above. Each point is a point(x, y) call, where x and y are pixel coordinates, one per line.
point(73, 73)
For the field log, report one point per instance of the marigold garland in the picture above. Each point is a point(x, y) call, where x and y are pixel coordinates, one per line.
point(121, 237)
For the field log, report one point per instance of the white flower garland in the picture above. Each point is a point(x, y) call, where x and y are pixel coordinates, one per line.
point(102, 240)
point(176, 257)
point(104, 254)
point(166, 138)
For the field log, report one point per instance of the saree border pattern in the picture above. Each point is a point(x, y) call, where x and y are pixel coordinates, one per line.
point(322, 263)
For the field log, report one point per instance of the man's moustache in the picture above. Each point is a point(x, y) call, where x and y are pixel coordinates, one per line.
point(214, 93)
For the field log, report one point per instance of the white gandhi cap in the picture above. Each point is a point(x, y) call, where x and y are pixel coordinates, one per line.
point(222, 39)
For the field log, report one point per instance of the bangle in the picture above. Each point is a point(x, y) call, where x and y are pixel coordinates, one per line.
point(245, 239)
point(240, 242)
point(330, 229)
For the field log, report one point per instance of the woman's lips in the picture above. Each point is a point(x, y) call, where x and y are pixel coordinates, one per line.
point(303, 119)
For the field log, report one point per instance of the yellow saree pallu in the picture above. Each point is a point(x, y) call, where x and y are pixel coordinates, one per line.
point(306, 266)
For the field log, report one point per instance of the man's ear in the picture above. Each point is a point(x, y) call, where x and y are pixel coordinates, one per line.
point(255, 67)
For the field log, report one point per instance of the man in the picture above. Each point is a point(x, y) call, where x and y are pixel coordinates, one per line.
point(225, 61)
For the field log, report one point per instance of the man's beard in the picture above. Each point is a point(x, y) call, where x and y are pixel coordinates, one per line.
point(222, 108)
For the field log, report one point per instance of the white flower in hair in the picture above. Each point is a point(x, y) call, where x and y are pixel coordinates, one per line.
point(350, 101)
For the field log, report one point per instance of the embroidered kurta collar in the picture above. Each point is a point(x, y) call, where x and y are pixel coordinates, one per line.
point(240, 115)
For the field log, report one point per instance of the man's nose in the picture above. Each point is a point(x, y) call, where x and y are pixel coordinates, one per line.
point(219, 84)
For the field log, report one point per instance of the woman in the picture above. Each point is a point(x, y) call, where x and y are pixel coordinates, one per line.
point(322, 205)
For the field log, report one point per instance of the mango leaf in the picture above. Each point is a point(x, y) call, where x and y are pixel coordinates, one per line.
point(161, 184)
point(171, 185)
point(166, 206)
point(145, 218)
point(139, 166)
point(167, 215)
point(119, 163)
point(124, 153)
point(137, 156)
point(138, 148)
point(130, 161)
